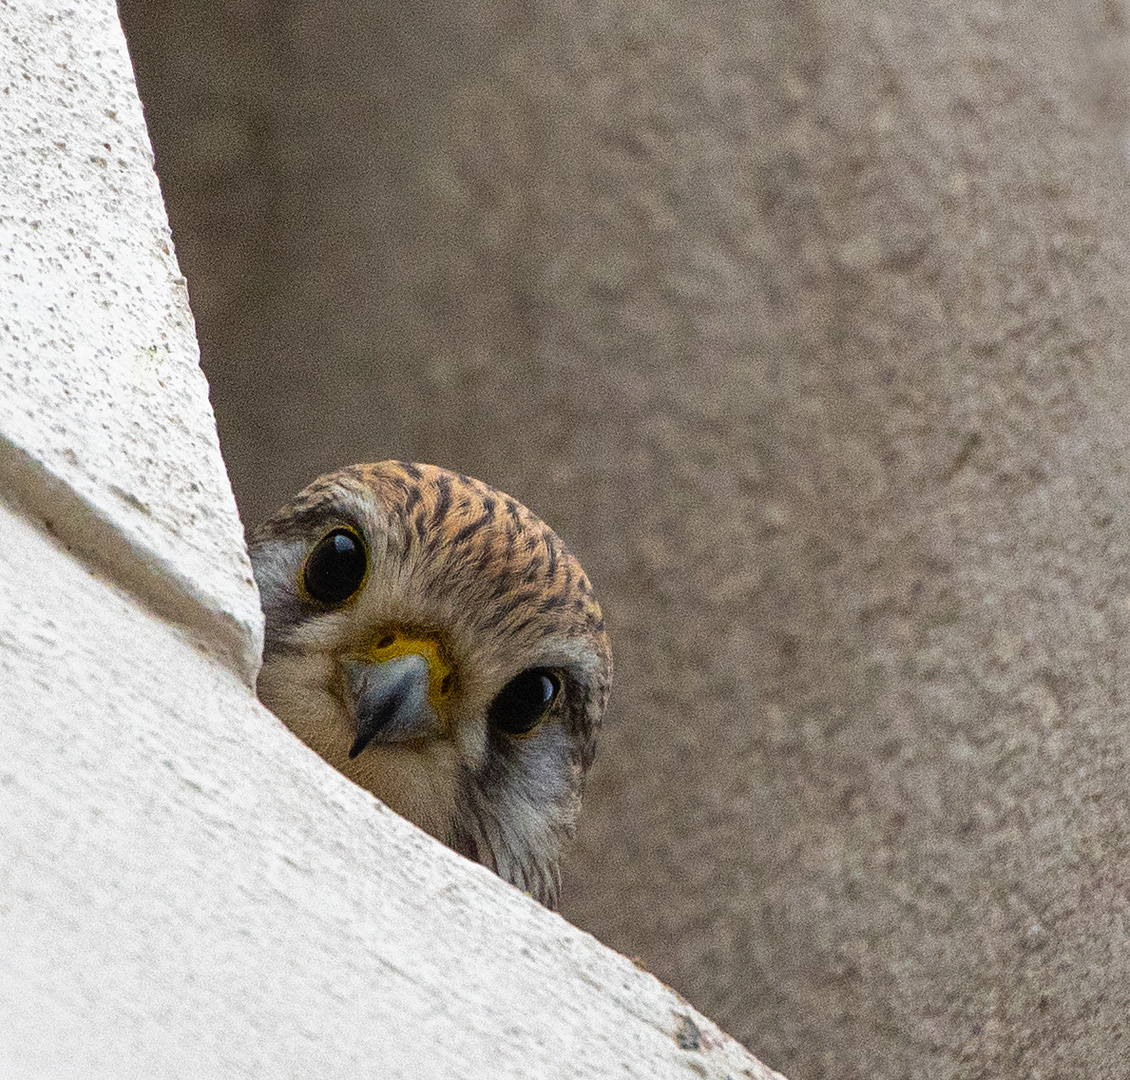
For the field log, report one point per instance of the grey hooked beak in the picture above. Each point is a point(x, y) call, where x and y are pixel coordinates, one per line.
point(391, 700)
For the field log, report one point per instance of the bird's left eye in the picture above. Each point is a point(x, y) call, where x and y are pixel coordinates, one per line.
point(524, 700)
point(336, 567)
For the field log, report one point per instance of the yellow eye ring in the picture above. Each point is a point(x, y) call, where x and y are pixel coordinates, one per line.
point(336, 569)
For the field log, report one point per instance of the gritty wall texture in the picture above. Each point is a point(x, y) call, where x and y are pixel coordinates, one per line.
point(185, 889)
point(108, 300)
point(807, 324)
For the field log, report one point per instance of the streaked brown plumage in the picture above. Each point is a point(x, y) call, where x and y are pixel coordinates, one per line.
point(469, 619)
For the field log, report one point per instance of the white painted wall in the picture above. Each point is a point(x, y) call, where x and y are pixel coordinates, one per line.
point(185, 889)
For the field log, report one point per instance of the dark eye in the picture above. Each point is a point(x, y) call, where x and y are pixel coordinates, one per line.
point(523, 701)
point(336, 567)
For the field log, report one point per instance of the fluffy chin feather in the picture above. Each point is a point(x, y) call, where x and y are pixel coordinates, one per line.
point(419, 781)
point(512, 814)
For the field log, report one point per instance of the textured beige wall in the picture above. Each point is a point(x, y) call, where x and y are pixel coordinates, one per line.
point(807, 323)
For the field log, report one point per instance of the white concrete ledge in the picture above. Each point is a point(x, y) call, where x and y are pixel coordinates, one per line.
point(185, 889)
point(105, 426)
point(189, 891)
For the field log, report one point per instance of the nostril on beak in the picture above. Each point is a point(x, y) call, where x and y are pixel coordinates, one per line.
point(391, 700)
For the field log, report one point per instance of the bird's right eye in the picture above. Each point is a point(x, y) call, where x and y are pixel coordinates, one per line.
point(335, 569)
point(524, 700)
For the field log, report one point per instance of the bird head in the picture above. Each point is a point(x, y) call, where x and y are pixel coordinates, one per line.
point(437, 643)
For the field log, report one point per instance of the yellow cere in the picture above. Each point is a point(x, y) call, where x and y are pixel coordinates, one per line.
point(394, 642)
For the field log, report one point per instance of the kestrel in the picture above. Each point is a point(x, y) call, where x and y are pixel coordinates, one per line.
point(437, 643)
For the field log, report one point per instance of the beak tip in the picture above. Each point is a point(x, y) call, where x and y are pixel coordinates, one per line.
point(391, 701)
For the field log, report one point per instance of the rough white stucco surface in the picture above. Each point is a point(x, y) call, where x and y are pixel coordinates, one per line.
point(188, 891)
point(185, 889)
point(105, 426)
